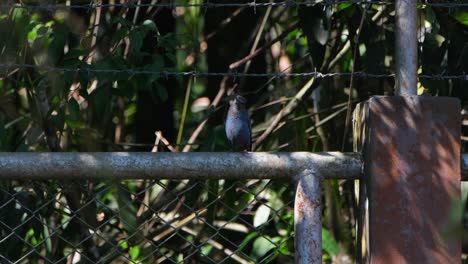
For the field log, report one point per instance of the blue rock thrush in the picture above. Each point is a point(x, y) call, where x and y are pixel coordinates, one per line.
point(238, 129)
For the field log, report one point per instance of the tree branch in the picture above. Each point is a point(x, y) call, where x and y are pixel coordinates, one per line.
point(247, 58)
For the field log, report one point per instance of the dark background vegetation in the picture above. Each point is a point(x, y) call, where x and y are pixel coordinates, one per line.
point(47, 106)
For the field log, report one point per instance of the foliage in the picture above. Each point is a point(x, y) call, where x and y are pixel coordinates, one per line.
point(120, 110)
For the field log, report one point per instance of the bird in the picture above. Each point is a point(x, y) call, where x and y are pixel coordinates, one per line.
point(238, 130)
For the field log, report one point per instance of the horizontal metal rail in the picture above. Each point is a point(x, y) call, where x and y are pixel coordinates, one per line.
point(200, 165)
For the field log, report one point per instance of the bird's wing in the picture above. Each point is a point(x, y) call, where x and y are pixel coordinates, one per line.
point(250, 133)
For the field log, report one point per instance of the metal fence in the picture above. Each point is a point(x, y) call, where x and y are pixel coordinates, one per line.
point(49, 202)
point(143, 221)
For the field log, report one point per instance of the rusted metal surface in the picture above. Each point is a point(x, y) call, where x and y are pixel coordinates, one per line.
point(307, 217)
point(412, 163)
point(213, 165)
point(406, 53)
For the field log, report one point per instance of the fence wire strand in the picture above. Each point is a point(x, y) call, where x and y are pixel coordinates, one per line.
point(164, 73)
point(253, 4)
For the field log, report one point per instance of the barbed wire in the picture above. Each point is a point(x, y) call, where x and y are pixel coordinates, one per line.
point(203, 5)
point(166, 73)
point(253, 4)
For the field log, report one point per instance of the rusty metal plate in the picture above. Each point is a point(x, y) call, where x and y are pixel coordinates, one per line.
point(412, 161)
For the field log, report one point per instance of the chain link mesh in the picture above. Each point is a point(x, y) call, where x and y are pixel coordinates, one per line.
point(142, 221)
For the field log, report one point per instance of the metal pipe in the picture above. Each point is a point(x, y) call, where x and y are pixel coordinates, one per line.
point(406, 47)
point(193, 165)
point(200, 165)
point(307, 217)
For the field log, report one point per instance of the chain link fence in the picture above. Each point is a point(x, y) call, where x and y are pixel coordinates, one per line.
point(141, 221)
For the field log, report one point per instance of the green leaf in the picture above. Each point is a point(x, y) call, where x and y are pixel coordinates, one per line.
point(19, 15)
point(206, 249)
point(127, 214)
point(262, 246)
point(329, 244)
point(134, 252)
point(130, 111)
point(136, 40)
point(48, 241)
point(123, 244)
point(247, 240)
point(32, 35)
point(149, 25)
point(121, 33)
point(75, 124)
point(50, 24)
point(342, 6)
point(430, 15)
point(461, 17)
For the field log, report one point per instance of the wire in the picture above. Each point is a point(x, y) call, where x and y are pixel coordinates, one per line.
point(203, 5)
point(166, 73)
point(253, 4)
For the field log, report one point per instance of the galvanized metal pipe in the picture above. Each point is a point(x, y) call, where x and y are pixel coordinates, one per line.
point(307, 217)
point(199, 165)
point(406, 48)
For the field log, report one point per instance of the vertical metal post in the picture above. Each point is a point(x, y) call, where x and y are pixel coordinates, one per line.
point(406, 48)
point(307, 218)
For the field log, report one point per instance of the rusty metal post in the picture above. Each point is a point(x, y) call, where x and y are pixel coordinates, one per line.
point(406, 47)
point(411, 150)
point(307, 217)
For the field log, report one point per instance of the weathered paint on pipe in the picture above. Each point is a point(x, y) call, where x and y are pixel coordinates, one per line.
point(412, 173)
point(406, 47)
point(194, 165)
point(307, 217)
